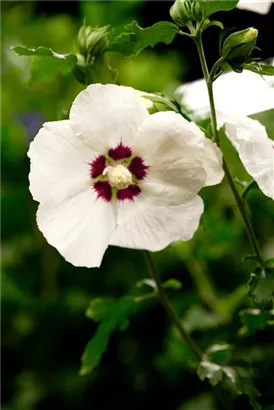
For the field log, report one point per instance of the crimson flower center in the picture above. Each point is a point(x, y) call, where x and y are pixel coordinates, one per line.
point(117, 174)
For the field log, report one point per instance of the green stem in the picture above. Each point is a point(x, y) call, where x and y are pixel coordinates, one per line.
point(239, 200)
point(201, 52)
point(194, 348)
point(244, 212)
point(183, 33)
point(174, 318)
point(247, 188)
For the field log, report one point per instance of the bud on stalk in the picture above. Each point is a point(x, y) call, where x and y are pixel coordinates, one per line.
point(185, 11)
point(238, 47)
point(92, 42)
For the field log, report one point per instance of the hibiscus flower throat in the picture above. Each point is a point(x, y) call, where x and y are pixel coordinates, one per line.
point(117, 174)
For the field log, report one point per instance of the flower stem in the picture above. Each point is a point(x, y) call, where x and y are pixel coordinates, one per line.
point(238, 198)
point(244, 212)
point(194, 348)
point(174, 318)
point(248, 188)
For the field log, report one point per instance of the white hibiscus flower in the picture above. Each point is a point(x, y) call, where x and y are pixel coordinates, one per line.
point(258, 6)
point(255, 148)
point(235, 98)
point(114, 175)
point(232, 93)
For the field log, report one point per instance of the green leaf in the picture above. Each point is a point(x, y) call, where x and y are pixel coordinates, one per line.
point(115, 318)
point(160, 102)
point(266, 118)
point(262, 69)
point(239, 379)
point(244, 385)
point(172, 284)
point(261, 286)
point(257, 68)
point(44, 52)
point(255, 319)
point(211, 6)
point(136, 38)
point(99, 308)
point(211, 371)
point(208, 23)
point(44, 70)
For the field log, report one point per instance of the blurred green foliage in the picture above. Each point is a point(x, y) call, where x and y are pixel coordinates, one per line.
point(44, 299)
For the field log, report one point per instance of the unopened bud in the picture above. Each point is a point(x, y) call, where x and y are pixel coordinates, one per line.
point(197, 11)
point(238, 47)
point(92, 42)
point(185, 11)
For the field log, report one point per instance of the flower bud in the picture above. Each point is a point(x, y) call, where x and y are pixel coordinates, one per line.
point(185, 11)
point(197, 11)
point(238, 47)
point(92, 42)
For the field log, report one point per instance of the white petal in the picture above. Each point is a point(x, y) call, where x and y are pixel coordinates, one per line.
point(59, 164)
point(142, 225)
point(213, 163)
point(79, 228)
point(250, 100)
point(173, 149)
point(161, 193)
point(104, 115)
point(255, 149)
point(258, 6)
